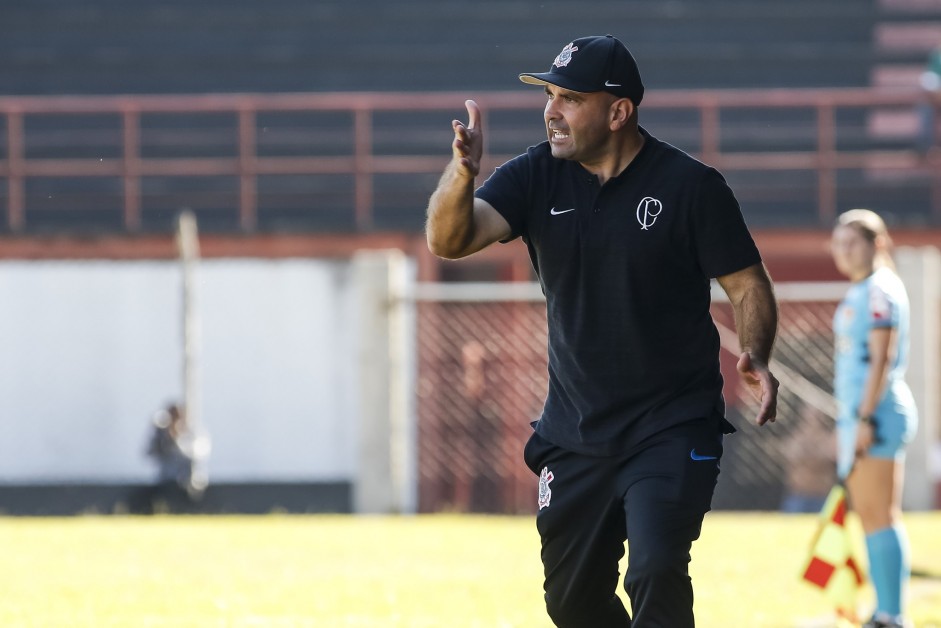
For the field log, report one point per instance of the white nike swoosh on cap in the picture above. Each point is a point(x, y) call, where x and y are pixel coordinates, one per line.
point(561, 211)
point(610, 84)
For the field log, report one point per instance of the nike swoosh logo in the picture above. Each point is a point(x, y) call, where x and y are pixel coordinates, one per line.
point(694, 456)
point(563, 211)
point(610, 84)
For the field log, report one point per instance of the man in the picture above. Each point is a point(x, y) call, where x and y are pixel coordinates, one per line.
point(624, 232)
point(931, 83)
point(176, 451)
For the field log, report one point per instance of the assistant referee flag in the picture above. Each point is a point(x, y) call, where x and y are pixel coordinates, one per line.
point(832, 567)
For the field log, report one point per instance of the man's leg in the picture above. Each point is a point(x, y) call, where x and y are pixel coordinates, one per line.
point(669, 490)
point(581, 523)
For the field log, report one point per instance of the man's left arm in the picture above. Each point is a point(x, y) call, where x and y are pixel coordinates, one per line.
point(751, 294)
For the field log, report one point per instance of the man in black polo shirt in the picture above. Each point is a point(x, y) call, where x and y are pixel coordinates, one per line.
point(624, 232)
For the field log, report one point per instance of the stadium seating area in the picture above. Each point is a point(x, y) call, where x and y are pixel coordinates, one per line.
point(177, 46)
point(97, 47)
point(113, 94)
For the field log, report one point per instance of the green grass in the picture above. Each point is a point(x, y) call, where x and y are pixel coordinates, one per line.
point(425, 571)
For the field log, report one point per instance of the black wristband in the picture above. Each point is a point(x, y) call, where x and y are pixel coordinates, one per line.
point(866, 419)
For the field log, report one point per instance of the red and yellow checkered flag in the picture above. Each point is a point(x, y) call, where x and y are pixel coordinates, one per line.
point(832, 566)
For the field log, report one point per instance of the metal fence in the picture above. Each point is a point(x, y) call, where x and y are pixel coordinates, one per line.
point(482, 379)
point(363, 161)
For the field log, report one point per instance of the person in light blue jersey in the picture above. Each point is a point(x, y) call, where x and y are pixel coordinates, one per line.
point(877, 416)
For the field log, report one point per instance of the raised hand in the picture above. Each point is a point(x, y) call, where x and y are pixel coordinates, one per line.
point(468, 145)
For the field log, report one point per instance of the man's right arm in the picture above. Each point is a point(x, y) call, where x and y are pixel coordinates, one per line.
point(459, 224)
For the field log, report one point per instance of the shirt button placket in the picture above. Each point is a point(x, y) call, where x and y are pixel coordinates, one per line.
point(595, 192)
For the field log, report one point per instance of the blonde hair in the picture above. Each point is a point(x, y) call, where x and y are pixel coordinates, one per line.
point(870, 225)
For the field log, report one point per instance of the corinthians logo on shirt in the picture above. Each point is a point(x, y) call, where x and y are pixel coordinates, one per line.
point(647, 211)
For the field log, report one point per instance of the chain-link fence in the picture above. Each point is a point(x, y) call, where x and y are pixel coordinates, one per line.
point(793, 459)
point(482, 379)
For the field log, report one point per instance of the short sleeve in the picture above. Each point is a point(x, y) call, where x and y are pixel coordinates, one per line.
point(719, 234)
point(507, 191)
point(883, 312)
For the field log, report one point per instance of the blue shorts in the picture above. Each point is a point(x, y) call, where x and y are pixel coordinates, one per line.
point(894, 430)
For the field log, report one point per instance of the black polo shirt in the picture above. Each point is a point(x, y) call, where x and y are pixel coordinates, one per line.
point(625, 268)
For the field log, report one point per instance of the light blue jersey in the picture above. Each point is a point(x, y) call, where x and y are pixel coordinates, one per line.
point(878, 301)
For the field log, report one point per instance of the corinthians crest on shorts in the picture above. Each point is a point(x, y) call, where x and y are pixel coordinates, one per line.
point(545, 493)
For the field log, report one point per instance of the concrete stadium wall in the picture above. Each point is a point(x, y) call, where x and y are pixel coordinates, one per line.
point(89, 350)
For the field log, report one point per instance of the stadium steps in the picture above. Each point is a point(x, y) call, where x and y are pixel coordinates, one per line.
point(107, 46)
point(176, 46)
point(906, 32)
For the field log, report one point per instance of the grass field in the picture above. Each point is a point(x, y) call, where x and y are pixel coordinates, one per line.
point(425, 571)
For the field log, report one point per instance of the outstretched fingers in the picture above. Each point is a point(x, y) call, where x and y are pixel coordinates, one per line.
point(468, 140)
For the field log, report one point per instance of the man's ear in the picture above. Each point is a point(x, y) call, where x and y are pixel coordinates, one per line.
point(621, 111)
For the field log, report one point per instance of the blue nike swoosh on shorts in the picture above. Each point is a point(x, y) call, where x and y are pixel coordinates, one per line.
point(694, 456)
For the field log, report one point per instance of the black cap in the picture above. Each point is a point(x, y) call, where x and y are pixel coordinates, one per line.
point(600, 63)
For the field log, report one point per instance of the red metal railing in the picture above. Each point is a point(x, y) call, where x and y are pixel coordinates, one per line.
point(363, 163)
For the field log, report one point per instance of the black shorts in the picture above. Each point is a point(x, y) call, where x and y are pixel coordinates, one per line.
point(654, 497)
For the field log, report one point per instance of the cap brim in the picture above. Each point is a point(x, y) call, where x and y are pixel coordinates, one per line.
point(553, 78)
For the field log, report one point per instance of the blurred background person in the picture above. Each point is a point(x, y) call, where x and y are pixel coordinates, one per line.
point(176, 450)
point(481, 431)
point(876, 416)
point(810, 456)
point(931, 83)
